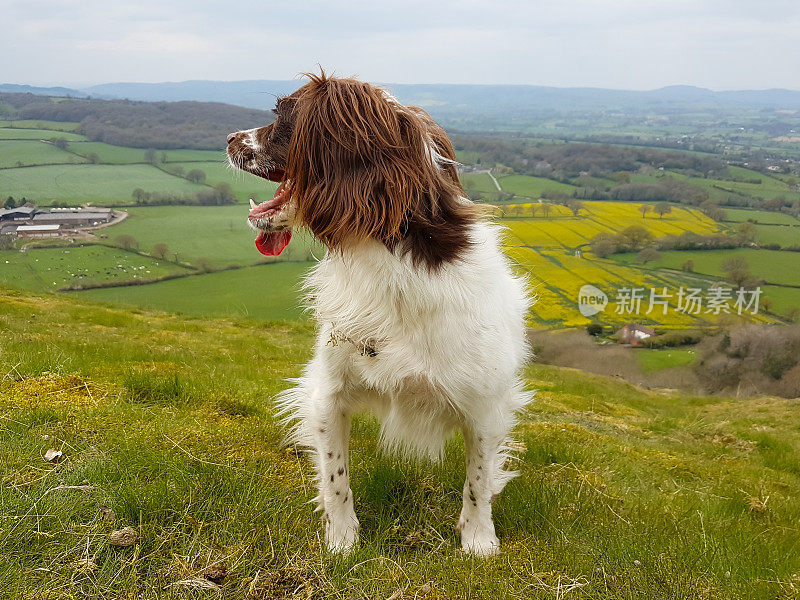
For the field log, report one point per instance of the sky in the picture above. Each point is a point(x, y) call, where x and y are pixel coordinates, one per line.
point(623, 44)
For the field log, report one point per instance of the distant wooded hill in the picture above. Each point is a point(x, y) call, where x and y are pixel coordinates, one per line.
point(200, 125)
point(505, 107)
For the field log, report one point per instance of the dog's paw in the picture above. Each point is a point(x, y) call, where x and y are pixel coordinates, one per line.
point(341, 535)
point(478, 540)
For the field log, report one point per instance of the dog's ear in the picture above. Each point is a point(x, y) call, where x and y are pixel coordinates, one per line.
point(363, 166)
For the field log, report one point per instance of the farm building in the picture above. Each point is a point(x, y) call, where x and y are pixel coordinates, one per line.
point(38, 231)
point(633, 333)
point(20, 213)
point(12, 220)
point(83, 218)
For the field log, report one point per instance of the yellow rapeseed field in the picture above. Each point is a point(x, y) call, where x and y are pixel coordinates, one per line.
point(553, 253)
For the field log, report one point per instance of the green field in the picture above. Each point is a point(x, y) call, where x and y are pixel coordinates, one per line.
point(100, 184)
point(39, 124)
point(244, 185)
point(268, 292)
point(737, 215)
point(774, 266)
point(36, 134)
point(15, 153)
point(48, 269)
point(532, 187)
point(769, 187)
point(479, 182)
point(166, 423)
point(785, 235)
point(654, 360)
point(218, 233)
point(121, 155)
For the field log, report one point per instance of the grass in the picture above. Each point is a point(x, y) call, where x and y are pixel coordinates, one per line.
point(528, 186)
point(479, 182)
point(244, 185)
point(49, 269)
point(773, 265)
point(37, 134)
point(269, 291)
point(655, 360)
point(121, 155)
point(166, 421)
point(738, 215)
point(40, 124)
point(101, 184)
point(15, 153)
point(218, 233)
point(785, 235)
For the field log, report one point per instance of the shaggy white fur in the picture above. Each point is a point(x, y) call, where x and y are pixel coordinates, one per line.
point(428, 352)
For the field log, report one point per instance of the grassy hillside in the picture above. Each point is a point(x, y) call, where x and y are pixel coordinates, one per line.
point(165, 425)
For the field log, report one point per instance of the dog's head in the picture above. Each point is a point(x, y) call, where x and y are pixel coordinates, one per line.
point(355, 164)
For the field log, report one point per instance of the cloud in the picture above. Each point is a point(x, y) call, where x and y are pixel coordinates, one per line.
point(638, 44)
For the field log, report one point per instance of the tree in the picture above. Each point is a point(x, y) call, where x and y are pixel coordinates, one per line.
point(662, 208)
point(747, 232)
point(644, 209)
point(10, 202)
point(688, 266)
point(196, 176)
point(93, 158)
point(604, 248)
point(648, 254)
point(139, 194)
point(594, 329)
point(546, 208)
point(738, 271)
point(162, 157)
point(160, 250)
point(150, 156)
point(635, 236)
point(127, 242)
point(575, 206)
point(60, 143)
point(203, 264)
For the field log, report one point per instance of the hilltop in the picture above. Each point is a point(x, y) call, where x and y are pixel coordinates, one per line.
point(165, 426)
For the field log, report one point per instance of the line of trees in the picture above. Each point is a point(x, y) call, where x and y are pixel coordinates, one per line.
point(219, 195)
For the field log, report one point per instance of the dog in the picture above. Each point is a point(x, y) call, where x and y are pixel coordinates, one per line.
point(420, 319)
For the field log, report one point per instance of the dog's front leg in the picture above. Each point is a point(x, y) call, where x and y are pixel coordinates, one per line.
point(330, 427)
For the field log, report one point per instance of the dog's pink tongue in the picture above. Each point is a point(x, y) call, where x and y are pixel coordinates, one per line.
point(272, 244)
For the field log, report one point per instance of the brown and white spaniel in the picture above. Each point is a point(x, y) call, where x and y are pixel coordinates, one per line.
point(420, 319)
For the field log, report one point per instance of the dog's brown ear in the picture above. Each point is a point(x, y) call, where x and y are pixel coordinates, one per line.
point(363, 166)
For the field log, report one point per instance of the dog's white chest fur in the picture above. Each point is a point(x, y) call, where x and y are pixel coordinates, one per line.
point(412, 343)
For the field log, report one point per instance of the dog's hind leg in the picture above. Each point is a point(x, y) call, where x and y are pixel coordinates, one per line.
point(329, 427)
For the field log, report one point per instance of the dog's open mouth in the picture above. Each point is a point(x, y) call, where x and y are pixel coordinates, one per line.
point(273, 220)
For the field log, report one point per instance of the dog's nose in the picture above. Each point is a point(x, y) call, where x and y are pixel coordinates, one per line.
point(231, 137)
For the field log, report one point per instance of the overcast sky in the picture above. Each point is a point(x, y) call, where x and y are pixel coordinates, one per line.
point(629, 44)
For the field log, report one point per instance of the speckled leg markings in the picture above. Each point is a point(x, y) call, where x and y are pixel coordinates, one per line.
point(332, 435)
point(483, 469)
